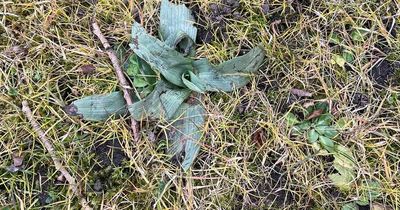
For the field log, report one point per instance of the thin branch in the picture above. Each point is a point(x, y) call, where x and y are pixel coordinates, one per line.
point(124, 84)
point(57, 161)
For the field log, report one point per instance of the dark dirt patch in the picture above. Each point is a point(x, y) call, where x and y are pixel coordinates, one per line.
point(271, 190)
point(383, 74)
point(367, 207)
point(274, 188)
point(44, 184)
point(212, 24)
point(359, 101)
point(289, 101)
point(108, 154)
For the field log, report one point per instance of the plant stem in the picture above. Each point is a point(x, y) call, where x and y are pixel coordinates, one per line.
point(120, 75)
point(57, 161)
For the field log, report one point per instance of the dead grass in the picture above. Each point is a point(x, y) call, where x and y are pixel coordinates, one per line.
point(43, 44)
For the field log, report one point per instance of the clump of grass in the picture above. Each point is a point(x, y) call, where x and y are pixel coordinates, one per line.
point(232, 170)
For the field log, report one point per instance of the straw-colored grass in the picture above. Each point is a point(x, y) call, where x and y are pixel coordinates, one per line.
point(248, 158)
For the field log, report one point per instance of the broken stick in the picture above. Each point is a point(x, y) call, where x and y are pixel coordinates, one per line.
point(120, 75)
point(57, 161)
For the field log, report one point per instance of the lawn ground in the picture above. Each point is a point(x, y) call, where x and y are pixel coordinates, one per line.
point(344, 53)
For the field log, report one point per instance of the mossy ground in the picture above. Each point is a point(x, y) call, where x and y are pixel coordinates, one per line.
point(248, 159)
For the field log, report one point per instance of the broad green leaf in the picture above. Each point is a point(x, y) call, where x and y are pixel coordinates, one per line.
point(371, 191)
point(348, 56)
point(344, 157)
point(170, 63)
point(339, 60)
point(186, 133)
point(334, 38)
point(98, 107)
point(231, 74)
point(363, 201)
point(291, 119)
point(344, 163)
point(176, 27)
point(148, 74)
point(249, 62)
point(340, 181)
point(162, 103)
point(140, 82)
point(327, 131)
point(300, 128)
point(131, 66)
point(326, 143)
point(350, 206)
point(139, 71)
point(324, 119)
point(194, 83)
point(312, 136)
point(359, 34)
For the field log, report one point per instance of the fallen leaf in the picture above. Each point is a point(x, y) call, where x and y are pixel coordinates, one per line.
point(314, 114)
point(378, 206)
point(258, 137)
point(17, 160)
point(265, 8)
point(301, 93)
point(61, 178)
point(308, 104)
point(87, 69)
point(15, 51)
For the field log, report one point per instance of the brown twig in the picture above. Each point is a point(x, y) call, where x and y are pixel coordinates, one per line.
point(57, 161)
point(120, 75)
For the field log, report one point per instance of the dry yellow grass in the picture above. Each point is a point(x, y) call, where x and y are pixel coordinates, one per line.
point(43, 44)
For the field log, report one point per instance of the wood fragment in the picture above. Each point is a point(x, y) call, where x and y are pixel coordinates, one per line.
point(315, 114)
point(57, 161)
point(300, 93)
point(120, 75)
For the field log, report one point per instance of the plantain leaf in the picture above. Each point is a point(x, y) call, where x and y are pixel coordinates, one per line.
point(312, 136)
point(344, 163)
point(324, 119)
point(162, 103)
point(350, 206)
point(344, 157)
point(98, 107)
point(176, 27)
point(170, 63)
point(302, 127)
point(327, 143)
point(291, 119)
point(186, 133)
point(328, 131)
point(341, 181)
point(371, 190)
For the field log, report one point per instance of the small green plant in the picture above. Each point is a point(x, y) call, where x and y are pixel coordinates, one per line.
point(318, 129)
point(317, 126)
point(169, 81)
point(358, 35)
point(321, 133)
